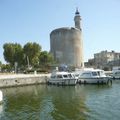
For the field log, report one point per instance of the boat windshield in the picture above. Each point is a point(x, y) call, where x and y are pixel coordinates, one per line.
point(86, 74)
point(99, 73)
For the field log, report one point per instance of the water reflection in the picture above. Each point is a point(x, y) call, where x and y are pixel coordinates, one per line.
point(1, 111)
point(67, 103)
point(44, 103)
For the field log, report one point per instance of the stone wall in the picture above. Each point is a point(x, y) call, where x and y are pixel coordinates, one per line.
point(21, 80)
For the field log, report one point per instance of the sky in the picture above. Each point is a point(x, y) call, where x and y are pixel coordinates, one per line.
point(23, 21)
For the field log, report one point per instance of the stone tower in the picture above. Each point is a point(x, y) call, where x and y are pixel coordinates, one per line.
point(66, 44)
point(77, 19)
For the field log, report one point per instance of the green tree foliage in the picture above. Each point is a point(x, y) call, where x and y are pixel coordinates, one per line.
point(32, 52)
point(13, 53)
point(5, 67)
point(0, 63)
point(45, 58)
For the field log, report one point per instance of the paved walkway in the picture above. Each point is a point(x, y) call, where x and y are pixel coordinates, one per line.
point(8, 76)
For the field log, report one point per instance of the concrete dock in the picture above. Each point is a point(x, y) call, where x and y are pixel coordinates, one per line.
point(14, 80)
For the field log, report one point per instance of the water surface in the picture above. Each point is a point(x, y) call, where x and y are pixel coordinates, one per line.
point(42, 102)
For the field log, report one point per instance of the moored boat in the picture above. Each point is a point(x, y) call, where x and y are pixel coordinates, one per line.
point(94, 76)
point(116, 72)
point(62, 78)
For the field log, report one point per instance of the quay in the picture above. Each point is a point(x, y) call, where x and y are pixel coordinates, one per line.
point(14, 80)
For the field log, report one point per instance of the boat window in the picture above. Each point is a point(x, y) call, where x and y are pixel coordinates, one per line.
point(65, 76)
point(59, 76)
point(94, 73)
point(52, 76)
point(86, 75)
point(98, 73)
point(117, 73)
point(70, 75)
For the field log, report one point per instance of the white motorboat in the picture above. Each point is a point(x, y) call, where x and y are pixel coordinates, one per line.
point(62, 78)
point(116, 72)
point(94, 76)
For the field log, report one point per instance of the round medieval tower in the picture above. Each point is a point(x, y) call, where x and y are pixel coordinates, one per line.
point(66, 44)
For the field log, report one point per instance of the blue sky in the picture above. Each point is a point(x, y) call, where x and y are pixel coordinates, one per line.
point(23, 21)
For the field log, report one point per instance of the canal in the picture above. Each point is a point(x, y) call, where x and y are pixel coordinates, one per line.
point(43, 102)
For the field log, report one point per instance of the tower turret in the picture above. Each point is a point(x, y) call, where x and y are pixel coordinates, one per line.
point(77, 19)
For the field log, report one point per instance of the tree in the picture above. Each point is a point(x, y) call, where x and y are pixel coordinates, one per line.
point(32, 52)
point(13, 53)
point(45, 58)
point(18, 56)
point(5, 67)
point(0, 63)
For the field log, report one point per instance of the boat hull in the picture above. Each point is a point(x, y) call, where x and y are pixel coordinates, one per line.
point(62, 81)
point(101, 80)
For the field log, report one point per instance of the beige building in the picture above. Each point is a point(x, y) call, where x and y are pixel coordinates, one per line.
point(105, 59)
point(66, 44)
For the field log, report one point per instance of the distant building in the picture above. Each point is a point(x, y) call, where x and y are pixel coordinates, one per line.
point(66, 44)
point(90, 63)
point(105, 59)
